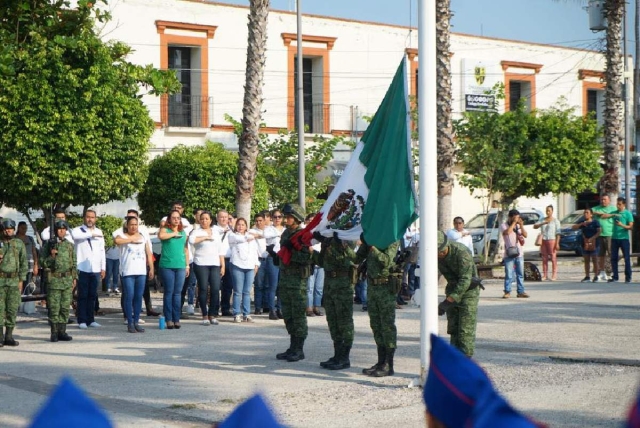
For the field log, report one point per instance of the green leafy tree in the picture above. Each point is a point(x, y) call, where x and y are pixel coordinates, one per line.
point(200, 176)
point(278, 165)
point(73, 128)
point(528, 154)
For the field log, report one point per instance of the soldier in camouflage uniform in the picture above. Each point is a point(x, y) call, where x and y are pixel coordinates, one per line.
point(456, 264)
point(292, 285)
point(337, 258)
point(382, 303)
point(13, 272)
point(59, 260)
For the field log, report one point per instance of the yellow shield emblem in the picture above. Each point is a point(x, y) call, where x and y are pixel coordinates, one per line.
point(480, 73)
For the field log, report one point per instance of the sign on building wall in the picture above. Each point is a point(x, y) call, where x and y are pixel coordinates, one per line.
point(478, 78)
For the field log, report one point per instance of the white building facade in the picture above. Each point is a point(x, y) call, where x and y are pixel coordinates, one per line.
point(347, 65)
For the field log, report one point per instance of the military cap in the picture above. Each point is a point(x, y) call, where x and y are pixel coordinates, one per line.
point(70, 407)
point(458, 393)
point(7, 223)
point(60, 224)
point(253, 413)
point(295, 211)
point(443, 241)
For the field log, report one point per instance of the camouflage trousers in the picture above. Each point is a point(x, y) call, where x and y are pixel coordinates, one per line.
point(9, 304)
point(293, 295)
point(461, 322)
point(58, 302)
point(382, 314)
point(338, 304)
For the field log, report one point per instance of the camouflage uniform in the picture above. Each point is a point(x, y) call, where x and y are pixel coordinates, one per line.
point(382, 304)
point(62, 274)
point(292, 288)
point(337, 258)
point(13, 271)
point(458, 268)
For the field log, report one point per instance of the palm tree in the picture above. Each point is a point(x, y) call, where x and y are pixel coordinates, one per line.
point(613, 110)
point(446, 147)
point(252, 106)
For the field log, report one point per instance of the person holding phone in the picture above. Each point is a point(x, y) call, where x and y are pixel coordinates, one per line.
point(513, 233)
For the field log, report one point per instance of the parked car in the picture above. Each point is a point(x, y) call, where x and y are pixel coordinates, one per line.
point(571, 240)
point(530, 216)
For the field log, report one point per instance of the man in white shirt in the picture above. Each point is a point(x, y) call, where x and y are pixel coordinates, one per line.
point(223, 228)
point(58, 214)
point(260, 291)
point(460, 234)
point(90, 253)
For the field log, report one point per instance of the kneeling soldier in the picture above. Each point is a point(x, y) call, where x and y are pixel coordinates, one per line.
point(13, 273)
point(59, 260)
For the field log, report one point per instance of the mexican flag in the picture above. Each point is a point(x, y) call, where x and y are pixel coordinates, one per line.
point(376, 193)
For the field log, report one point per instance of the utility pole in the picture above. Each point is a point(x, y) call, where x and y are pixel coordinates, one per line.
point(300, 111)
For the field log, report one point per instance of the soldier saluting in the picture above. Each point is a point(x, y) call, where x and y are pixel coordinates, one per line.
point(59, 259)
point(13, 273)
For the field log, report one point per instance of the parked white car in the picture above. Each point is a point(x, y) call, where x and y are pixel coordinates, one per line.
point(530, 216)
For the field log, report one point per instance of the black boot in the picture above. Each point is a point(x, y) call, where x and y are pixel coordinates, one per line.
point(381, 357)
point(298, 353)
point(54, 332)
point(62, 333)
point(387, 367)
point(332, 360)
point(343, 359)
point(284, 355)
point(279, 314)
point(1, 336)
point(8, 338)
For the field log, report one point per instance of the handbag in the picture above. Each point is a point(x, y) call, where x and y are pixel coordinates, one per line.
point(512, 251)
point(589, 245)
point(538, 240)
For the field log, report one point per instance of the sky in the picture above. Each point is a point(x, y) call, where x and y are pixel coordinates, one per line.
point(563, 22)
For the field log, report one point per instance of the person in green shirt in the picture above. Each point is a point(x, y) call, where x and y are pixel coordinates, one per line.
point(601, 213)
point(622, 224)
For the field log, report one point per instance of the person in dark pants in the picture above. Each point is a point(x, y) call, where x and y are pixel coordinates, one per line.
point(90, 253)
point(226, 285)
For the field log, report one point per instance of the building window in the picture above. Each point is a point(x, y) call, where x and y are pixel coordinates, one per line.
point(593, 89)
point(315, 82)
point(520, 84)
point(184, 48)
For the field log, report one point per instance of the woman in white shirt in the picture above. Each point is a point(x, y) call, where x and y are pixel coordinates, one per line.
point(272, 235)
point(135, 256)
point(244, 265)
point(208, 261)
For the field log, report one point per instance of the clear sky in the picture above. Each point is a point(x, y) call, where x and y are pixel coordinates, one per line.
point(562, 22)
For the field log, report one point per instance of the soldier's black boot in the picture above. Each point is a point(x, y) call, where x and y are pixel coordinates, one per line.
point(387, 367)
point(62, 333)
point(343, 359)
point(1, 336)
point(381, 357)
point(8, 338)
point(332, 360)
point(298, 353)
point(54, 332)
point(285, 354)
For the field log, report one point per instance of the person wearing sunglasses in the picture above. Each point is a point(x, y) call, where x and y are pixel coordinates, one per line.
point(272, 235)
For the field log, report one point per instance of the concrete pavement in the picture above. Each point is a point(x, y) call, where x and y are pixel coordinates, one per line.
point(538, 352)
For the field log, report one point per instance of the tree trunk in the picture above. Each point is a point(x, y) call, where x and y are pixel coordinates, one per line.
point(252, 106)
point(613, 111)
point(446, 148)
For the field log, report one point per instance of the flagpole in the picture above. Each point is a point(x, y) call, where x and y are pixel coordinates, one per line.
point(428, 169)
point(300, 110)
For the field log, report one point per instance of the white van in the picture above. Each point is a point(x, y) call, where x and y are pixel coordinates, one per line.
point(530, 216)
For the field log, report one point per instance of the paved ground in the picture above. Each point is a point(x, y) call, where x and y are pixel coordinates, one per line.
point(568, 356)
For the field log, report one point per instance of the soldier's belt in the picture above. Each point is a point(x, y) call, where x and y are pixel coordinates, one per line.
point(337, 274)
point(378, 281)
point(8, 275)
point(61, 274)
